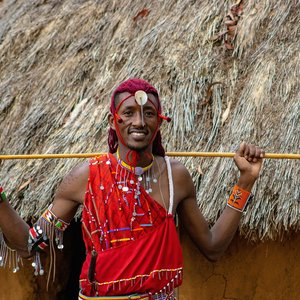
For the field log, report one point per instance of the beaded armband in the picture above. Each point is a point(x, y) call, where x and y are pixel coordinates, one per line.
point(53, 226)
point(2, 195)
point(47, 230)
point(239, 199)
point(38, 240)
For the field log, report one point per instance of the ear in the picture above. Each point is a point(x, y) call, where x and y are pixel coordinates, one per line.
point(111, 121)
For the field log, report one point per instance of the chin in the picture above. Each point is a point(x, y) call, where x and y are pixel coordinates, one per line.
point(137, 148)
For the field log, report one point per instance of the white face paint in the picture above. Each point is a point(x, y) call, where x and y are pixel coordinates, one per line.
point(141, 98)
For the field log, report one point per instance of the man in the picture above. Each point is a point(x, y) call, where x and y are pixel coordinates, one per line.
point(129, 199)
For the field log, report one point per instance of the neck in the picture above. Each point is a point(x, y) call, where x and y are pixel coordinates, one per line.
point(135, 158)
point(143, 175)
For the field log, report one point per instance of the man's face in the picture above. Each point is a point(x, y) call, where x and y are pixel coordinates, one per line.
point(139, 124)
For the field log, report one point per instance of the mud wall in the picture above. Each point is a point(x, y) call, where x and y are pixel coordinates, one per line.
point(23, 285)
point(263, 271)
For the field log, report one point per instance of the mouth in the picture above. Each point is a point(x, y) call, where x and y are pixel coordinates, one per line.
point(138, 135)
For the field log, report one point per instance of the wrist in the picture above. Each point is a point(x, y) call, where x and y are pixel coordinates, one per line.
point(246, 182)
point(239, 198)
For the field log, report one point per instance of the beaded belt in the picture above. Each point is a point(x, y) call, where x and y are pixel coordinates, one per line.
point(140, 297)
point(132, 297)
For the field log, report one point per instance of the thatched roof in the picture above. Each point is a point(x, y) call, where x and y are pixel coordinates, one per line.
point(60, 60)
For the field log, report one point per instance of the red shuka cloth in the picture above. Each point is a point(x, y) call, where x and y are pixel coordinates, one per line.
point(136, 240)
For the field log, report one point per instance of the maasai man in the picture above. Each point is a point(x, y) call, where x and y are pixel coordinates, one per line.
point(130, 197)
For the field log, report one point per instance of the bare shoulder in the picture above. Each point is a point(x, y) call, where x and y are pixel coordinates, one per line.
point(179, 171)
point(183, 184)
point(179, 167)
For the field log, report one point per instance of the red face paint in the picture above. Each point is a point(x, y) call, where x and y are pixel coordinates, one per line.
point(136, 125)
point(132, 86)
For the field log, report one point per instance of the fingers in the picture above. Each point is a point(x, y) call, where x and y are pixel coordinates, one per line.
point(251, 152)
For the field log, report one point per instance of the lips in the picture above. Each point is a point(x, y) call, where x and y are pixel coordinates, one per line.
point(138, 134)
point(134, 131)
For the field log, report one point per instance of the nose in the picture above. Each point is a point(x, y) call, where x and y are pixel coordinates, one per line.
point(138, 119)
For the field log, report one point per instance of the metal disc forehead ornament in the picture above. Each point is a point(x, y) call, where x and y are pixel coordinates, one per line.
point(141, 97)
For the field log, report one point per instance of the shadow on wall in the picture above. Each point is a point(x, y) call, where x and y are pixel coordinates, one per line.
point(75, 250)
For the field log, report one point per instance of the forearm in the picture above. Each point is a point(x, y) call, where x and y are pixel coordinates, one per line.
point(223, 232)
point(224, 229)
point(14, 229)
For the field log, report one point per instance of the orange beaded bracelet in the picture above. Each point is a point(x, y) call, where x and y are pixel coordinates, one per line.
point(239, 199)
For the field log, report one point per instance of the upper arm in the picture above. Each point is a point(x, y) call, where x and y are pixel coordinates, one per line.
point(70, 193)
point(188, 211)
point(194, 223)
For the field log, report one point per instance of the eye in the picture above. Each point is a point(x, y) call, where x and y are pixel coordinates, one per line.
point(149, 113)
point(127, 113)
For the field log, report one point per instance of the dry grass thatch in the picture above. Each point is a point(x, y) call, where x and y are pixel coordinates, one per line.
point(60, 60)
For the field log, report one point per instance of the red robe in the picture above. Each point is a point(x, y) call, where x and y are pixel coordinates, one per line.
point(138, 249)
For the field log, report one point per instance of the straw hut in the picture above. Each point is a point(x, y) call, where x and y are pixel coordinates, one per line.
point(226, 72)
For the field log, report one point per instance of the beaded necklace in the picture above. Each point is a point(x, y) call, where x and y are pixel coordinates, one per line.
point(129, 180)
point(144, 174)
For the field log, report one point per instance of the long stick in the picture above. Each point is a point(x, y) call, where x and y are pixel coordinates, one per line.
point(194, 154)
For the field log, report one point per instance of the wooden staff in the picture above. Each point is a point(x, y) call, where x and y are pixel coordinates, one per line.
point(178, 154)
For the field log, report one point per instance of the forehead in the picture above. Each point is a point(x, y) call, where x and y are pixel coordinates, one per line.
point(131, 100)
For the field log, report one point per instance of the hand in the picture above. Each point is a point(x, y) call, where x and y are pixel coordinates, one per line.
point(248, 159)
